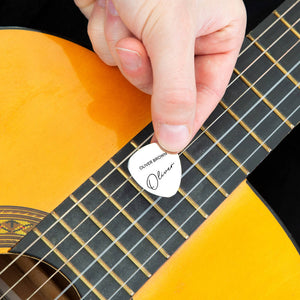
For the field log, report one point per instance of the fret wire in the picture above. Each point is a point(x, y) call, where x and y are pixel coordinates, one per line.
point(112, 237)
point(181, 191)
point(214, 191)
point(16, 258)
point(101, 262)
point(222, 147)
point(246, 127)
point(149, 199)
point(70, 265)
point(134, 144)
point(193, 203)
point(273, 60)
point(130, 218)
point(27, 248)
point(264, 99)
point(205, 173)
point(287, 24)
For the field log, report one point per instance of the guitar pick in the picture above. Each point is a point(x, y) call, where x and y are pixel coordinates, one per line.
point(156, 171)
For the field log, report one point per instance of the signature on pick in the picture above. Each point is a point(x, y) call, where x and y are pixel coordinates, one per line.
point(154, 179)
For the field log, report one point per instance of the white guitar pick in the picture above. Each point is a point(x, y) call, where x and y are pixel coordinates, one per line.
point(156, 171)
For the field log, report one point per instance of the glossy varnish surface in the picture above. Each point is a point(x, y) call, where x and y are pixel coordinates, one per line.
point(63, 114)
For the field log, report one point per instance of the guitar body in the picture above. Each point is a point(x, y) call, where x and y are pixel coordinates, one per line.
point(63, 115)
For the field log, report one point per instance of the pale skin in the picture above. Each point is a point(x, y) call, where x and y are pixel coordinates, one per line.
point(182, 52)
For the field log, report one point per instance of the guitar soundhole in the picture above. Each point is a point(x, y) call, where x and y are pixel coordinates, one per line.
point(33, 280)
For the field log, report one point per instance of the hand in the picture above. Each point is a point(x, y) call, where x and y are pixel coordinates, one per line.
point(180, 51)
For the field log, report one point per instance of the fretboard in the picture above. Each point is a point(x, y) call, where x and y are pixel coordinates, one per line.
point(110, 235)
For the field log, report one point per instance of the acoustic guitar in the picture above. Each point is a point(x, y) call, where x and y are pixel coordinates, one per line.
point(75, 225)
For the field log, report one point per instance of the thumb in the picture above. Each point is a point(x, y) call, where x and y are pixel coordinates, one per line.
point(171, 51)
point(167, 32)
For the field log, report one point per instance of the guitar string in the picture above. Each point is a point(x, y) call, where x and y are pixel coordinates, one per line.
point(131, 199)
point(257, 38)
point(181, 226)
point(271, 25)
point(125, 159)
point(99, 256)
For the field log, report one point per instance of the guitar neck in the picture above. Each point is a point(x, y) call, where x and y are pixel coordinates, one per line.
point(109, 236)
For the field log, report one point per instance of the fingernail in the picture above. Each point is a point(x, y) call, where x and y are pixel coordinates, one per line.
point(111, 8)
point(130, 59)
point(173, 138)
point(101, 3)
